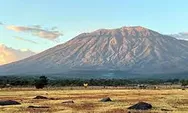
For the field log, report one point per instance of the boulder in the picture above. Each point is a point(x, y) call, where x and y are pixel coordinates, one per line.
point(106, 99)
point(141, 106)
point(8, 102)
point(40, 97)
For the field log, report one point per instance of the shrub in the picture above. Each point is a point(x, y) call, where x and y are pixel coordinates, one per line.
point(41, 82)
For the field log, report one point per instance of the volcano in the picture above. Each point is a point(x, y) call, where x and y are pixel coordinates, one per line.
point(129, 50)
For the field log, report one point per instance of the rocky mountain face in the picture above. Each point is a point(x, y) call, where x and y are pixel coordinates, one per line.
point(134, 50)
point(8, 55)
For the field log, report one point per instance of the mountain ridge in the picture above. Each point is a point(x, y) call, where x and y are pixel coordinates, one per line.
point(136, 50)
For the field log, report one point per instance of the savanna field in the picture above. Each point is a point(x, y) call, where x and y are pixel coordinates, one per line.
point(87, 100)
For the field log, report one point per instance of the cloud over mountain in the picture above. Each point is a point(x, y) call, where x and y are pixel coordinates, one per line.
point(37, 31)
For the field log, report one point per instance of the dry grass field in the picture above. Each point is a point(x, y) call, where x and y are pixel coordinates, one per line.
point(88, 100)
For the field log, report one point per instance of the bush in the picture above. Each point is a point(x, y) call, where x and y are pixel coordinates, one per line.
point(41, 82)
point(184, 82)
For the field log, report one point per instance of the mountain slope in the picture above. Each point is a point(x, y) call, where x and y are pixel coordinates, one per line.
point(8, 55)
point(181, 35)
point(135, 50)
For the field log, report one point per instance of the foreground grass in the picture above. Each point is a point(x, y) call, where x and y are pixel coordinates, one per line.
point(87, 100)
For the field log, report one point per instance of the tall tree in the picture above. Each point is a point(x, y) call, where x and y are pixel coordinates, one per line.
point(41, 82)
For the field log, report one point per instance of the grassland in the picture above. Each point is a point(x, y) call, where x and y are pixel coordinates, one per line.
point(87, 100)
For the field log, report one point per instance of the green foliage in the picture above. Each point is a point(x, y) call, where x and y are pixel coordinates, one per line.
point(41, 82)
point(184, 82)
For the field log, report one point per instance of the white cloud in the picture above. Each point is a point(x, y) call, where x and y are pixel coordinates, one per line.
point(8, 55)
point(37, 31)
point(25, 40)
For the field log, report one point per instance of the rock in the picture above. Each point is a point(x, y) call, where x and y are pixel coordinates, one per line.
point(183, 89)
point(141, 106)
point(38, 107)
point(9, 102)
point(107, 99)
point(40, 97)
point(67, 102)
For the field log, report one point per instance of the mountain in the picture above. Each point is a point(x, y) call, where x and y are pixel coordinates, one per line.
point(8, 55)
point(121, 52)
point(182, 35)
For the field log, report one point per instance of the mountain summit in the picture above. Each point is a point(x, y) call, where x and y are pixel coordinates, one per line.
point(135, 50)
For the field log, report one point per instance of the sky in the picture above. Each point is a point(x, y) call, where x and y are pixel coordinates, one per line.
point(41, 24)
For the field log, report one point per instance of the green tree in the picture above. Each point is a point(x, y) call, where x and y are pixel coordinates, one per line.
point(184, 82)
point(41, 82)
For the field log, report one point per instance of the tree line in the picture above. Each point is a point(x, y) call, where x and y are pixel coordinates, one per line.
point(41, 81)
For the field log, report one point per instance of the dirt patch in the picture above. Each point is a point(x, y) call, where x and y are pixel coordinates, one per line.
point(117, 111)
point(79, 97)
point(182, 102)
point(132, 100)
point(41, 110)
point(82, 106)
point(166, 110)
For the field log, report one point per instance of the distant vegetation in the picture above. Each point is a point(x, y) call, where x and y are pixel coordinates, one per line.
point(184, 82)
point(40, 82)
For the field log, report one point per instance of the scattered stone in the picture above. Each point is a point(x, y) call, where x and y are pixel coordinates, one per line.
point(8, 102)
point(38, 107)
point(107, 99)
point(68, 102)
point(141, 106)
point(40, 97)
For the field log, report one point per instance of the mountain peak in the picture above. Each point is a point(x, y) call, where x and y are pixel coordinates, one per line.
point(132, 49)
point(136, 31)
point(136, 28)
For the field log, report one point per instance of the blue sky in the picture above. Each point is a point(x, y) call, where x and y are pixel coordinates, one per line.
point(74, 17)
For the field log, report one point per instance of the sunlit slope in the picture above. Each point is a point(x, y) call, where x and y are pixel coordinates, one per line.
point(132, 49)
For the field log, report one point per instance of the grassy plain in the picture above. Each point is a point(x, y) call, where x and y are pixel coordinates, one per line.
point(88, 100)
